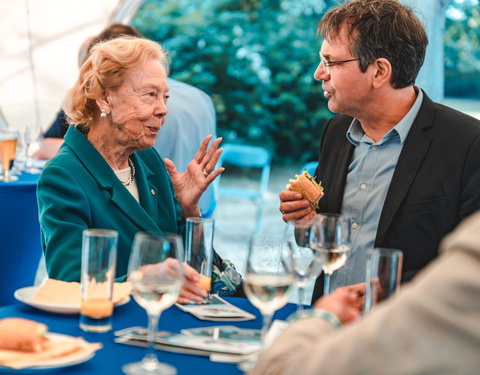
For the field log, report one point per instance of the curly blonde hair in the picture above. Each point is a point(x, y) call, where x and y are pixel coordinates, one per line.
point(106, 68)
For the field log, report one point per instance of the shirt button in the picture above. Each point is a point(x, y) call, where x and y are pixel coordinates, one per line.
point(152, 191)
point(354, 225)
point(374, 148)
point(363, 186)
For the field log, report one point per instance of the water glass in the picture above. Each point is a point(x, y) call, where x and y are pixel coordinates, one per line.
point(384, 271)
point(199, 248)
point(99, 259)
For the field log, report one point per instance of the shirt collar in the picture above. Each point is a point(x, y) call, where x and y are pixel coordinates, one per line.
point(355, 133)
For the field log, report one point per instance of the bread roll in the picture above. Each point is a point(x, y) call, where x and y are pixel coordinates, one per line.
point(22, 334)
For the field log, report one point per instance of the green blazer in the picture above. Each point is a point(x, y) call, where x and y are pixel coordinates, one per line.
point(78, 190)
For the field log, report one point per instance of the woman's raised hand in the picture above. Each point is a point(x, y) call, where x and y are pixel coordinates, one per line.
point(190, 185)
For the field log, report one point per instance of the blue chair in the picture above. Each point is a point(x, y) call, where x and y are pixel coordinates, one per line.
point(246, 156)
point(311, 166)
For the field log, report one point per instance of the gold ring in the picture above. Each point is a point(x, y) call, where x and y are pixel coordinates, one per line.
point(205, 173)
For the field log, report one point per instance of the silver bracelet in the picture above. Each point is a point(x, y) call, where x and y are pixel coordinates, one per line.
point(314, 313)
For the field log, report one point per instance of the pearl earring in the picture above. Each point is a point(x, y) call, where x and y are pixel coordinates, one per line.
point(103, 114)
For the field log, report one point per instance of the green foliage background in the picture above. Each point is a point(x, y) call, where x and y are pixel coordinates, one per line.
point(462, 49)
point(256, 59)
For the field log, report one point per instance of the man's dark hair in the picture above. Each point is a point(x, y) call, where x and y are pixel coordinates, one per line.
point(380, 28)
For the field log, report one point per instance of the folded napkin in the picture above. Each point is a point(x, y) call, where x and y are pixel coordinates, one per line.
point(64, 293)
point(24, 343)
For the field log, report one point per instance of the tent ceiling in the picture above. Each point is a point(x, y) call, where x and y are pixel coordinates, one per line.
point(57, 29)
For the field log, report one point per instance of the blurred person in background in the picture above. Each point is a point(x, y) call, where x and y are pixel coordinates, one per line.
point(405, 170)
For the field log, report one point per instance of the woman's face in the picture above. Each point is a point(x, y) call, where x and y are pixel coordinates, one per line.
point(138, 107)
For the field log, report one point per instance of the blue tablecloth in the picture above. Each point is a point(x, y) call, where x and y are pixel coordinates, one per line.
point(111, 358)
point(20, 248)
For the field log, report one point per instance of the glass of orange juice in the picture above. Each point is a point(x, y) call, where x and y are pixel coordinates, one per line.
point(99, 259)
point(199, 249)
point(8, 149)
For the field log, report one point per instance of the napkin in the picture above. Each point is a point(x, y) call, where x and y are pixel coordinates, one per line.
point(57, 292)
point(36, 347)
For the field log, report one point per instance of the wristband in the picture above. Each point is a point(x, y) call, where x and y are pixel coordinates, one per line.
point(321, 314)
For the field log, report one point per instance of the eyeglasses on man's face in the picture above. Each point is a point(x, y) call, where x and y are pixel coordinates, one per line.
point(327, 64)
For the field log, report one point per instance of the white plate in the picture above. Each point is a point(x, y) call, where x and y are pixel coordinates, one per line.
point(24, 295)
point(54, 363)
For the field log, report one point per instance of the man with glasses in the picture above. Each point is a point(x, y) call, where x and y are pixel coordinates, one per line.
point(405, 170)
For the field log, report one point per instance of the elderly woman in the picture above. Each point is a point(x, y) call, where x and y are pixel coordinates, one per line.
point(106, 174)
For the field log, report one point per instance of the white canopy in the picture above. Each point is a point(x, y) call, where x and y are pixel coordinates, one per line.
point(47, 33)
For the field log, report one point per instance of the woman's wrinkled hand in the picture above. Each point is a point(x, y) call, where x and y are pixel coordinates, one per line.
point(191, 290)
point(190, 185)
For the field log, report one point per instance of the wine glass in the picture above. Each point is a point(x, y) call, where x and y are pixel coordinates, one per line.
point(33, 141)
point(156, 272)
point(8, 149)
point(335, 243)
point(302, 253)
point(267, 281)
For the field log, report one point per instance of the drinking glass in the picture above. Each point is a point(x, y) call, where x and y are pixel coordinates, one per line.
point(199, 249)
point(335, 244)
point(8, 148)
point(156, 273)
point(267, 282)
point(303, 249)
point(33, 141)
point(384, 271)
point(99, 260)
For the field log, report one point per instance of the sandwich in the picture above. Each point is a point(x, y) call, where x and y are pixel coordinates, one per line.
point(307, 186)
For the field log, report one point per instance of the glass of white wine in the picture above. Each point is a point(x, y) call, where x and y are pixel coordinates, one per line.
point(301, 254)
point(335, 244)
point(156, 273)
point(267, 281)
point(8, 149)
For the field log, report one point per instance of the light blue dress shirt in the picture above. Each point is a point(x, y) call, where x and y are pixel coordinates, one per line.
point(368, 179)
point(191, 117)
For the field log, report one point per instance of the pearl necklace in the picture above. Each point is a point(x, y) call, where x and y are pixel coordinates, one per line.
point(132, 174)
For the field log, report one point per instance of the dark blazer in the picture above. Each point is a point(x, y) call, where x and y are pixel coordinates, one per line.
point(78, 190)
point(436, 182)
point(59, 127)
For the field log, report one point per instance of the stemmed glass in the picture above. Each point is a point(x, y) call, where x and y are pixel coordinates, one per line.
point(267, 281)
point(302, 253)
point(156, 273)
point(8, 148)
point(335, 232)
point(33, 140)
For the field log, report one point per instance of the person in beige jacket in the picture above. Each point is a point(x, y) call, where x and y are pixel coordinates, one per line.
point(432, 327)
